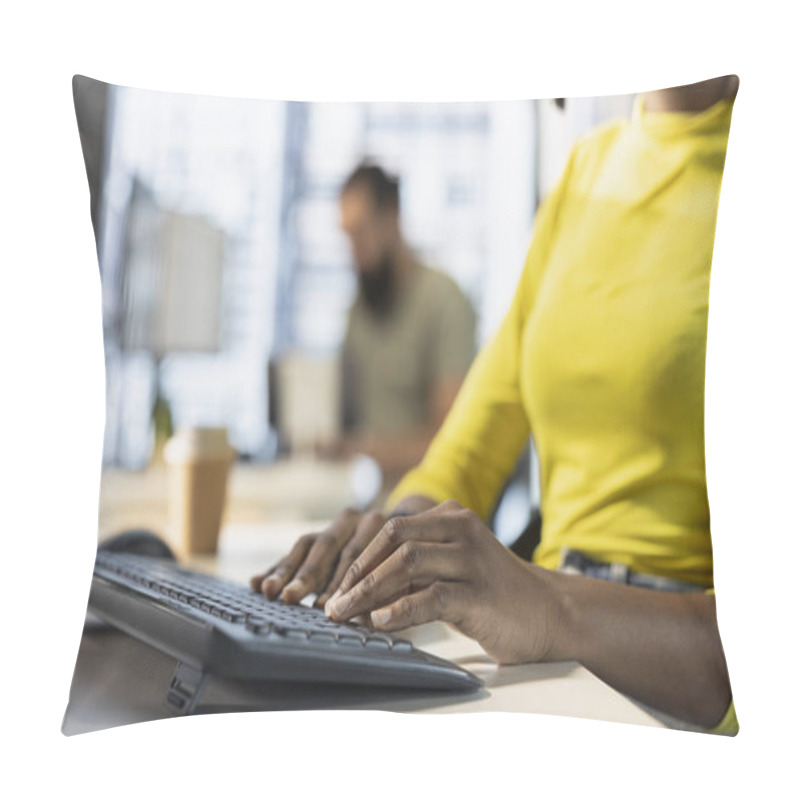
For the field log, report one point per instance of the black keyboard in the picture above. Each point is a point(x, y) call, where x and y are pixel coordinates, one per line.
point(217, 627)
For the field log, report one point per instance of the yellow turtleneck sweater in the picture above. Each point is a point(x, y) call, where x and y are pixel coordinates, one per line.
point(602, 355)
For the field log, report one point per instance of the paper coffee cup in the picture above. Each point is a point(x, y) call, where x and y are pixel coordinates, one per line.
point(198, 462)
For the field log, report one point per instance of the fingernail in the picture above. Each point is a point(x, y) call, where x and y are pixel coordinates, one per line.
point(295, 586)
point(381, 616)
point(339, 606)
point(331, 600)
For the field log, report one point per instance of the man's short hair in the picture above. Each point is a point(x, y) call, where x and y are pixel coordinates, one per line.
point(384, 189)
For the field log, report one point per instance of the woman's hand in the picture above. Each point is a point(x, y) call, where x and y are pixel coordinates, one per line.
point(661, 648)
point(445, 564)
point(318, 561)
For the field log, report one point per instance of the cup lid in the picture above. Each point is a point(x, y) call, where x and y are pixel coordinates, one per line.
point(197, 443)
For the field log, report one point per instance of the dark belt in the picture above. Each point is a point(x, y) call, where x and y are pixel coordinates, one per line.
point(574, 562)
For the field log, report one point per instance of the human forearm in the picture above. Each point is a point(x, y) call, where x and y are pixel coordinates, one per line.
point(660, 648)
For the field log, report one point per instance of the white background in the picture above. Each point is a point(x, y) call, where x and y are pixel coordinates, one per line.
point(52, 384)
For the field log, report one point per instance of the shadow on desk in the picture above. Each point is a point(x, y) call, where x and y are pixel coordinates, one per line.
point(494, 677)
point(119, 680)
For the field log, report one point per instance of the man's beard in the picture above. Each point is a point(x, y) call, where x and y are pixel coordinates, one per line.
point(377, 286)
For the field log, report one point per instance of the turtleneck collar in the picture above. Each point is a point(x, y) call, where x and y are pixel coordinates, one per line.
point(671, 124)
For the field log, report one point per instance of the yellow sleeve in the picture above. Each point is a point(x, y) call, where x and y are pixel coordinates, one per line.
point(479, 442)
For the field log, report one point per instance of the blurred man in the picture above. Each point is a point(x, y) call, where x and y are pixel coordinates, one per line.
point(410, 333)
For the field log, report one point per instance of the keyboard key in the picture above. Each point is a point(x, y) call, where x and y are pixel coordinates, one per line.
point(296, 635)
point(323, 636)
point(354, 639)
point(261, 625)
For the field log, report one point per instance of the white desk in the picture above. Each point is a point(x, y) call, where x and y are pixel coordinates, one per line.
point(119, 680)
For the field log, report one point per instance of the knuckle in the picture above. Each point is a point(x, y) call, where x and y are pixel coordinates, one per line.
point(346, 514)
point(305, 573)
point(368, 584)
point(465, 518)
point(405, 607)
point(349, 554)
point(374, 519)
point(327, 541)
point(311, 568)
point(441, 595)
point(353, 575)
point(344, 525)
point(409, 552)
point(393, 530)
point(305, 540)
point(470, 515)
point(452, 505)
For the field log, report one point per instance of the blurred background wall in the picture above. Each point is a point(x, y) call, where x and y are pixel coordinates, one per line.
point(262, 179)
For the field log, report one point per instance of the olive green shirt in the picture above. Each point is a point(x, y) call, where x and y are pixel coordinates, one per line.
point(392, 363)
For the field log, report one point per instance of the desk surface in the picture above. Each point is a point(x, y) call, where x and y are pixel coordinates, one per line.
point(119, 680)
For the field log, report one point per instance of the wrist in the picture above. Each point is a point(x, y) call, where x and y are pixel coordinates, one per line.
point(561, 638)
point(410, 505)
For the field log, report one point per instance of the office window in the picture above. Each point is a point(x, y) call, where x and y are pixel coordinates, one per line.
point(467, 184)
point(220, 161)
point(267, 175)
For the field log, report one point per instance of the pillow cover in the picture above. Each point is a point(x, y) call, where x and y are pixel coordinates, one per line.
point(254, 305)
